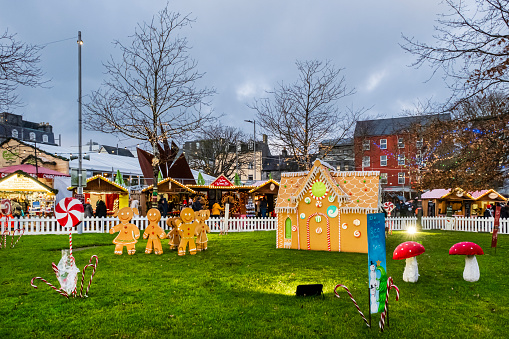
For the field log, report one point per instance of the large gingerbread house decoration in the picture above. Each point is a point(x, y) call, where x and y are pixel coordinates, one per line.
point(326, 210)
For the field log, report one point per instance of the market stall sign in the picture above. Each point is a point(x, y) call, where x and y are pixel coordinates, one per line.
point(21, 183)
point(493, 195)
point(222, 181)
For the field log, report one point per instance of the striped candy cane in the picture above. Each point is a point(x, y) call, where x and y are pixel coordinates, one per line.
point(353, 300)
point(21, 231)
point(94, 267)
point(390, 285)
point(50, 285)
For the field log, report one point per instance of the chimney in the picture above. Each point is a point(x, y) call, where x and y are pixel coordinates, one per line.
point(284, 152)
point(265, 139)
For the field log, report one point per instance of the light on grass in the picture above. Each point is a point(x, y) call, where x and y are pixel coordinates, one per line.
point(411, 230)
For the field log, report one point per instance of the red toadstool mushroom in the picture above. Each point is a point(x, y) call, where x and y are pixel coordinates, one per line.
point(469, 250)
point(409, 250)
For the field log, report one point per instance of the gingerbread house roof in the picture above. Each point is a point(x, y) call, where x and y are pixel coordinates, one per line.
point(358, 191)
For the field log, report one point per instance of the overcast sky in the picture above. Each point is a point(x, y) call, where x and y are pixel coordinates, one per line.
point(245, 48)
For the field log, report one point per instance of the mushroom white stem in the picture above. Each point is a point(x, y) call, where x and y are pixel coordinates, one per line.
point(411, 272)
point(471, 272)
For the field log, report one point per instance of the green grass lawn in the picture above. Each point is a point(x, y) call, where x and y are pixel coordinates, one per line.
point(242, 286)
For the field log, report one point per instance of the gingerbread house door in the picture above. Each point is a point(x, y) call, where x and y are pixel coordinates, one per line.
point(318, 232)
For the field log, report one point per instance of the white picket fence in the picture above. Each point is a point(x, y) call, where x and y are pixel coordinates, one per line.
point(464, 224)
point(49, 225)
point(41, 225)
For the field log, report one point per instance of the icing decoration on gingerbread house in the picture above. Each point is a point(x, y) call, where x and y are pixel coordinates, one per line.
point(326, 210)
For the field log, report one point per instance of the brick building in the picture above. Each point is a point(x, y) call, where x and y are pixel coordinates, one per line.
point(392, 147)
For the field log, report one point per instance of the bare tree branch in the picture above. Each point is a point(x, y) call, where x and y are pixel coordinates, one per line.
point(300, 115)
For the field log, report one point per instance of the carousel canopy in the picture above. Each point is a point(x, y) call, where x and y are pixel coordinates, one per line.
point(20, 181)
point(41, 172)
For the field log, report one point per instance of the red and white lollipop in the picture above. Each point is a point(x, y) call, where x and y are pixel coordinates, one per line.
point(69, 212)
point(389, 206)
point(5, 206)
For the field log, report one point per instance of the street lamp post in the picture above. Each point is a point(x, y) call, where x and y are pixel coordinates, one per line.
point(80, 187)
point(254, 147)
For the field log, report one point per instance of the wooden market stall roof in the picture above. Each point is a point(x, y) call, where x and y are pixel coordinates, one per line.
point(268, 187)
point(460, 194)
point(172, 186)
point(100, 184)
point(20, 181)
point(222, 183)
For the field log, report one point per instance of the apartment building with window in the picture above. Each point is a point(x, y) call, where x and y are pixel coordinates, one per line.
point(392, 147)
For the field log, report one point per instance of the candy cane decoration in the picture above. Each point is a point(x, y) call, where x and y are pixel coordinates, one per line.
point(328, 230)
point(21, 231)
point(94, 267)
point(353, 300)
point(50, 285)
point(390, 285)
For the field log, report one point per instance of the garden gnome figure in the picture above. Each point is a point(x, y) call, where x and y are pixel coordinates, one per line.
point(186, 230)
point(128, 234)
point(154, 232)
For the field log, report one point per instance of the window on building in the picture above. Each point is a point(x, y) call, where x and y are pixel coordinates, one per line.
point(401, 159)
point(44, 138)
point(250, 165)
point(365, 145)
point(418, 158)
point(347, 168)
point(250, 177)
point(401, 143)
point(383, 178)
point(14, 133)
point(383, 160)
point(419, 143)
point(401, 178)
point(365, 162)
point(32, 136)
point(383, 143)
point(197, 145)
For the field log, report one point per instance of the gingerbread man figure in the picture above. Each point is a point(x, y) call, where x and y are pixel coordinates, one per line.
point(186, 230)
point(128, 234)
point(174, 234)
point(202, 229)
point(153, 232)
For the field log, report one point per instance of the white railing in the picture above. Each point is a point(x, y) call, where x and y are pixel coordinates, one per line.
point(49, 225)
point(459, 223)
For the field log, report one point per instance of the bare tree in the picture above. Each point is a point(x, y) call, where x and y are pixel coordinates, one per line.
point(217, 151)
point(470, 150)
point(18, 66)
point(471, 46)
point(300, 115)
point(152, 85)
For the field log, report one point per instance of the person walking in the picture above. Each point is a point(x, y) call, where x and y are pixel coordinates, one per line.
point(88, 210)
point(101, 210)
point(263, 207)
point(197, 206)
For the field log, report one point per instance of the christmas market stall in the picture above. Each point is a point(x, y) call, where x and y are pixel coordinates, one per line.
point(268, 190)
point(99, 188)
point(34, 196)
point(457, 202)
point(177, 194)
point(224, 191)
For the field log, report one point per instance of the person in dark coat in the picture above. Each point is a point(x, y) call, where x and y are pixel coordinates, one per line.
point(100, 209)
point(162, 206)
point(504, 212)
point(89, 211)
point(197, 206)
point(263, 207)
point(487, 212)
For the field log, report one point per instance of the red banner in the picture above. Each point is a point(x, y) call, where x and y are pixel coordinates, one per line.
point(222, 181)
point(496, 224)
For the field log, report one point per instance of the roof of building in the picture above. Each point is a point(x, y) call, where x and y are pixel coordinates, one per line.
point(117, 151)
point(337, 142)
point(395, 125)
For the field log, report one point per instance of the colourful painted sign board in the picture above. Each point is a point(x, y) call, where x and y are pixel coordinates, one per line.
point(376, 262)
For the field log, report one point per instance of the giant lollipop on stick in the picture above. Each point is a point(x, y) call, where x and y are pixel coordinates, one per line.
point(69, 213)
